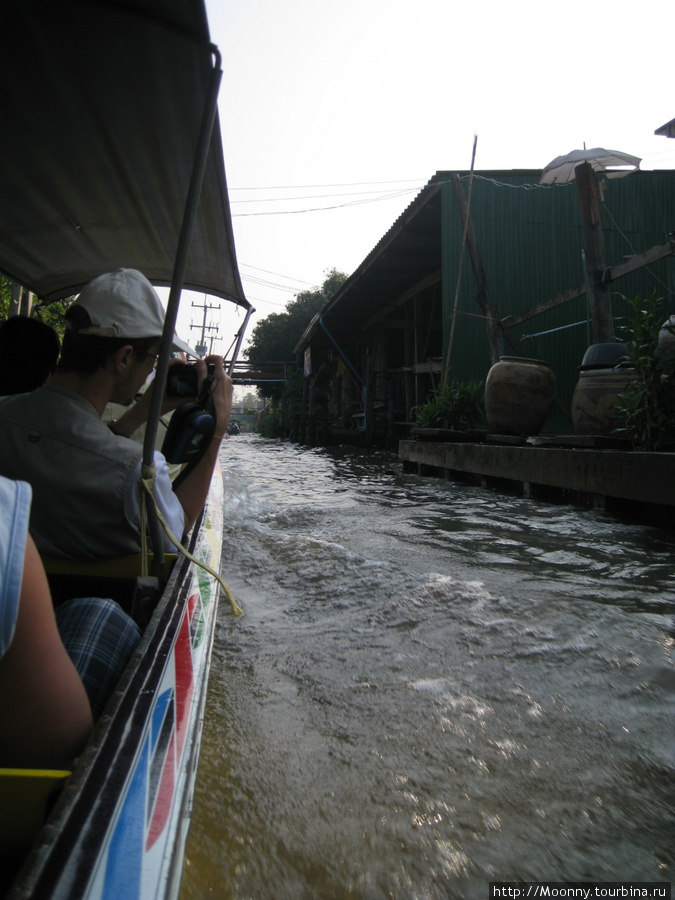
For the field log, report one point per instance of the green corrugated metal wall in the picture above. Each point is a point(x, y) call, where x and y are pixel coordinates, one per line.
point(530, 241)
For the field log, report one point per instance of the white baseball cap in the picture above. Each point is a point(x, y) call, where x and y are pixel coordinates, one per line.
point(123, 304)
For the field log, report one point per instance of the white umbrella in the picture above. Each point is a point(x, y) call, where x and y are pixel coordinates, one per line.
point(561, 169)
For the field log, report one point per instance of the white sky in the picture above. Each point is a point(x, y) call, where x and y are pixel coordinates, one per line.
point(350, 106)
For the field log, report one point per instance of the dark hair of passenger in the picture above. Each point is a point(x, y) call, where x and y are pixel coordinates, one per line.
point(87, 353)
point(29, 349)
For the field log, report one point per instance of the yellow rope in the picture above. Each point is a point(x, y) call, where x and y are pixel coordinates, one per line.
point(147, 484)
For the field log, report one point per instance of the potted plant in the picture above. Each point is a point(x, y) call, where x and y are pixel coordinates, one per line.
point(646, 407)
point(460, 407)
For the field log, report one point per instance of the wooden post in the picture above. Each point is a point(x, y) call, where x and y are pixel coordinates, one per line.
point(303, 413)
point(311, 425)
point(590, 203)
point(488, 306)
point(26, 303)
point(370, 398)
point(346, 396)
point(15, 301)
point(409, 379)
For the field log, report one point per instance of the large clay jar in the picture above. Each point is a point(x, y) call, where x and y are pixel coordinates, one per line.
point(602, 377)
point(667, 341)
point(519, 395)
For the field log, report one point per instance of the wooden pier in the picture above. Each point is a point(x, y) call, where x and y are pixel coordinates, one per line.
point(560, 468)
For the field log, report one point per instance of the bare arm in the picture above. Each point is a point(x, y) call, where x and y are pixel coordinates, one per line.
point(44, 709)
point(193, 490)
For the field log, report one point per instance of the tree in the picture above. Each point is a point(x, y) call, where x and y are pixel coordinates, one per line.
point(249, 400)
point(274, 338)
point(5, 296)
point(52, 314)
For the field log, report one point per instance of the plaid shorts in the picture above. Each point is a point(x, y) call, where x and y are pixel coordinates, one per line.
point(99, 638)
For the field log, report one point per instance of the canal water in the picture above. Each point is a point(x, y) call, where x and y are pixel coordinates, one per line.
point(434, 686)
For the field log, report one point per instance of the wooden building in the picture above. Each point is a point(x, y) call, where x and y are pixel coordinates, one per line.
point(479, 265)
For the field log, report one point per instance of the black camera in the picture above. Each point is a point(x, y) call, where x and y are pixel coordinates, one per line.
point(193, 424)
point(181, 381)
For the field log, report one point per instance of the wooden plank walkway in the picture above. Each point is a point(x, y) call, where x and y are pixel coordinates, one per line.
point(580, 474)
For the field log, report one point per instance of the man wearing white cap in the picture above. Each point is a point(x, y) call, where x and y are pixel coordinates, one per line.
point(84, 474)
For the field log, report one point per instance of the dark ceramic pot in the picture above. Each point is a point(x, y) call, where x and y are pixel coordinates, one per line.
point(595, 402)
point(603, 374)
point(667, 340)
point(602, 356)
point(519, 395)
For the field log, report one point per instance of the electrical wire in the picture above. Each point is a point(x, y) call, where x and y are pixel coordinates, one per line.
point(278, 274)
point(289, 212)
point(296, 187)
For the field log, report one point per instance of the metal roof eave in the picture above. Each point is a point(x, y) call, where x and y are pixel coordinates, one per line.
point(427, 193)
point(667, 130)
point(400, 237)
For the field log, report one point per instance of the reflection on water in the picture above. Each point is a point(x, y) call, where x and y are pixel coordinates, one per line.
point(434, 686)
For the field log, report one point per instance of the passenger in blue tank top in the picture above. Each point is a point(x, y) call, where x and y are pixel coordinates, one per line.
point(45, 716)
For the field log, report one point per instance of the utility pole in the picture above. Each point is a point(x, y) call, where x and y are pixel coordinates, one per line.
point(201, 346)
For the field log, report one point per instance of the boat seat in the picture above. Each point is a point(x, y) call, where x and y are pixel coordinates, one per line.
point(115, 578)
point(26, 798)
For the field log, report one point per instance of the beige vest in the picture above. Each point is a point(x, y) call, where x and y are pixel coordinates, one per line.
point(79, 470)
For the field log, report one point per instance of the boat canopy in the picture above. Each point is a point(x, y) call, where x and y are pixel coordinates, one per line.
point(101, 113)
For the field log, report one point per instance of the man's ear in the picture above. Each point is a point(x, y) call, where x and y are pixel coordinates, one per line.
point(123, 358)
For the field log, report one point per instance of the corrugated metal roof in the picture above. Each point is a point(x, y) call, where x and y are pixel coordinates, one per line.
point(406, 254)
point(667, 130)
point(408, 251)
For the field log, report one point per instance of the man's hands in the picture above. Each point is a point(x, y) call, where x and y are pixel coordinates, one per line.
point(193, 489)
point(221, 390)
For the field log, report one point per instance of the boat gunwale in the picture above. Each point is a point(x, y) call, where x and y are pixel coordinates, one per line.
point(76, 824)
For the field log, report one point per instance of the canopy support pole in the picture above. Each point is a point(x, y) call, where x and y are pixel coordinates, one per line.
point(240, 338)
point(187, 227)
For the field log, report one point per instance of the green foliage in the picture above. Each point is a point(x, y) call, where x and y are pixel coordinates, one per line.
point(52, 314)
point(266, 423)
point(274, 338)
point(647, 406)
point(5, 297)
point(460, 407)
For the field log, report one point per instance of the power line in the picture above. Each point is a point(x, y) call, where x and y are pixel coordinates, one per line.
point(278, 274)
point(295, 187)
point(290, 212)
point(314, 196)
point(269, 272)
point(269, 284)
point(269, 302)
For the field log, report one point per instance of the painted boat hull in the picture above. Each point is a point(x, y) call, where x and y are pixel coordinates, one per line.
point(119, 829)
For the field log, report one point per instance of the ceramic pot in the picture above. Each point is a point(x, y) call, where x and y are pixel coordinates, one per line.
point(667, 341)
point(519, 395)
point(602, 356)
point(595, 402)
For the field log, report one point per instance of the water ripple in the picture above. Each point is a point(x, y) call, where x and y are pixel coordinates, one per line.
point(434, 686)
